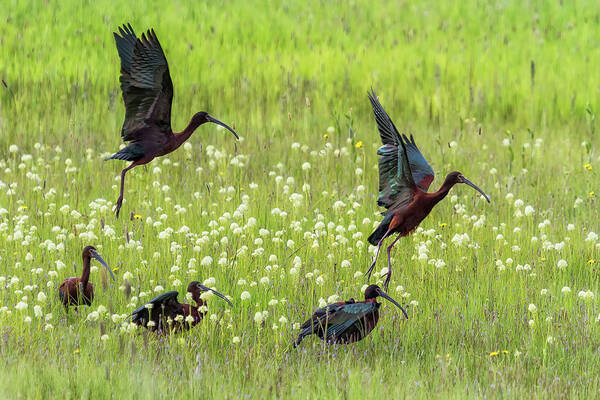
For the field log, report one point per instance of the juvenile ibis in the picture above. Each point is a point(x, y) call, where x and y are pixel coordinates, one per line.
point(164, 313)
point(80, 291)
point(148, 93)
point(347, 321)
point(404, 178)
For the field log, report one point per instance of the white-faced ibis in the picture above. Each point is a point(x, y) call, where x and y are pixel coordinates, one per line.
point(80, 291)
point(164, 313)
point(148, 93)
point(347, 321)
point(404, 178)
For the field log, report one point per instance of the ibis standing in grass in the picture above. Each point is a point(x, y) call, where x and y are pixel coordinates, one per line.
point(148, 94)
point(404, 178)
point(346, 322)
point(80, 291)
point(165, 314)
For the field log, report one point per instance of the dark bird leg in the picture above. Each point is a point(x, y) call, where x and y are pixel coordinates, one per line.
point(389, 273)
point(120, 199)
point(370, 270)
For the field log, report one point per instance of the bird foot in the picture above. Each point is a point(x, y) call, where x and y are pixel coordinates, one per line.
point(386, 284)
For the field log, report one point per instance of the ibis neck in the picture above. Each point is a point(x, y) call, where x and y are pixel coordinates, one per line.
point(197, 299)
point(438, 196)
point(184, 135)
point(85, 275)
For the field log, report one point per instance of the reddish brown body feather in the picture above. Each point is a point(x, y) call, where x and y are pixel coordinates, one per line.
point(184, 310)
point(407, 220)
point(71, 294)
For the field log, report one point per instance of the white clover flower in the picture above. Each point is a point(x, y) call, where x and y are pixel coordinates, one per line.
point(322, 303)
point(21, 306)
point(319, 280)
point(570, 227)
point(37, 310)
point(591, 237)
point(245, 295)
point(550, 340)
point(283, 320)
point(532, 308)
point(235, 340)
point(211, 281)
point(93, 316)
point(306, 166)
point(544, 292)
point(264, 280)
point(333, 298)
point(13, 148)
point(41, 297)
point(273, 302)
point(529, 210)
point(258, 317)
point(566, 290)
point(561, 264)
point(414, 303)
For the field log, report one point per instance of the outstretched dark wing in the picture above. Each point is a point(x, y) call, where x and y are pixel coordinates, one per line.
point(421, 171)
point(164, 305)
point(146, 85)
point(396, 184)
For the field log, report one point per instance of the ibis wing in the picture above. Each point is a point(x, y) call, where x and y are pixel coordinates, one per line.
point(165, 304)
point(347, 318)
point(337, 318)
point(146, 85)
point(421, 171)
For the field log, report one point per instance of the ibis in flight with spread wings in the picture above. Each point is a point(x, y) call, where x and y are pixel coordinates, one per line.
point(404, 178)
point(148, 94)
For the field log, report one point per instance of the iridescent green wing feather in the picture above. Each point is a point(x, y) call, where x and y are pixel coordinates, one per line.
point(396, 184)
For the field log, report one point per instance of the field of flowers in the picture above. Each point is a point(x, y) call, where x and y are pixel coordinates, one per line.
point(503, 298)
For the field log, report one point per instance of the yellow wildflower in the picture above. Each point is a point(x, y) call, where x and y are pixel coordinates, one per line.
point(359, 144)
point(494, 353)
point(591, 261)
point(443, 224)
point(592, 193)
point(588, 166)
point(137, 216)
point(325, 136)
point(504, 351)
point(76, 351)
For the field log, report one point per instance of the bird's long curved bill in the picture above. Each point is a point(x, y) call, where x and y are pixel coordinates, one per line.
point(224, 125)
point(474, 186)
point(101, 260)
point(385, 296)
point(217, 294)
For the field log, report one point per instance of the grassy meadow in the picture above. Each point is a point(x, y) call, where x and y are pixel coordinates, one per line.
point(503, 298)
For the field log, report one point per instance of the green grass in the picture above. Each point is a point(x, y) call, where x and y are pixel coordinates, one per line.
point(282, 74)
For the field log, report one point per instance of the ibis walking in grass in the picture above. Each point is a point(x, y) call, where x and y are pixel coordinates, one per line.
point(148, 94)
point(80, 291)
point(404, 178)
point(348, 321)
point(165, 314)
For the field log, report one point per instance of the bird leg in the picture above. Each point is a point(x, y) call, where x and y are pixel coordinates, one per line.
point(120, 199)
point(370, 270)
point(389, 273)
